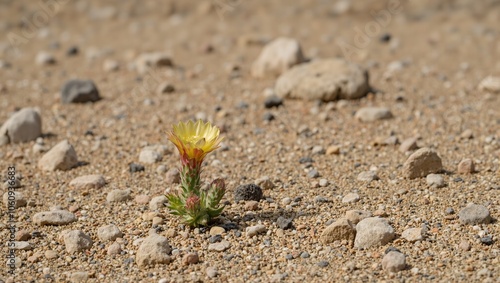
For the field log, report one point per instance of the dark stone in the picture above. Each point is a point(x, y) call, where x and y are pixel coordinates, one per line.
point(323, 263)
point(386, 37)
point(72, 51)
point(284, 223)
point(79, 91)
point(247, 192)
point(488, 240)
point(391, 249)
point(306, 159)
point(215, 239)
point(229, 226)
point(268, 116)
point(134, 167)
point(273, 101)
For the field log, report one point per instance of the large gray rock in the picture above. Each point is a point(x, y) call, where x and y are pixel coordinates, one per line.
point(77, 241)
point(79, 91)
point(394, 261)
point(153, 250)
point(61, 157)
point(421, 163)
point(373, 231)
point(327, 80)
point(25, 125)
point(276, 57)
point(474, 214)
point(109, 233)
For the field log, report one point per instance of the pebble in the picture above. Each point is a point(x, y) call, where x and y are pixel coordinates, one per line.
point(276, 57)
point(158, 202)
point(76, 241)
point(154, 249)
point(109, 233)
point(173, 176)
point(114, 249)
point(148, 60)
point(23, 126)
point(54, 217)
point(51, 254)
point(216, 230)
point(467, 134)
point(61, 157)
point(421, 163)
point(268, 116)
point(134, 167)
point(220, 246)
point(45, 58)
point(190, 258)
point(412, 234)
point(22, 235)
point(323, 183)
point(142, 199)
point(254, 230)
point(313, 173)
point(110, 65)
point(466, 166)
point(409, 144)
point(371, 114)
point(284, 223)
point(15, 184)
point(318, 150)
point(368, 176)
point(161, 169)
point(350, 197)
point(373, 231)
point(474, 214)
point(325, 80)
point(251, 205)
point(465, 245)
point(357, 215)
point(490, 84)
point(273, 101)
point(88, 182)
point(331, 150)
point(21, 245)
point(342, 229)
point(79, 91)
point(16, 199)
point(165, 87)
point(118, 195)
point(323, 263)
point(394, 261)
point(215, 239)
point(248, 192)
point(79, 277)
point(211, 272)
point(149, 156)
point(435, 180)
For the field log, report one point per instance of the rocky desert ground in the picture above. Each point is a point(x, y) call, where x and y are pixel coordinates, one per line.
point(361, 140)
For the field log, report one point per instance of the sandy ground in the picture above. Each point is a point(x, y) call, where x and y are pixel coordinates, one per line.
point(445, 49)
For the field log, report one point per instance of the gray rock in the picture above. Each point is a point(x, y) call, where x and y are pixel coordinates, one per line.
point(109, 233)
point(371, 114)
point(88, 182)
point(79, 91)
point(254, 230)
point(220, 246)
point(158, 202)
point(13, 199)
point(54, 217)
point(173, 176)
point(61, 157)
point(25, 125)
point(421, 163)
point(114, 249)
point(435, 180)
point(408, 145)
point(118, 195)
point(475, 214)
point(45, 58)
point(350, 197)
point(22, 245)
point(368, 176)
point(153, 250)
point(149, 155)
point(265, 183)
point(394, 261)
point(373, 231)
point(412, 234)
point(77, 241)
point(247, 192)
point(276, 57)
point(490, 84)
point(342, 229)
point(165, 87)
point(284, 223)
point(211, 272)
point(327, 80)
point(357, 215)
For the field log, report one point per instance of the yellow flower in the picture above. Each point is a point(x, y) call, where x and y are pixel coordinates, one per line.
point(194, 141)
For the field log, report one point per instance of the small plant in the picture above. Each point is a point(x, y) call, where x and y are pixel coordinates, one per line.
point(195, 205)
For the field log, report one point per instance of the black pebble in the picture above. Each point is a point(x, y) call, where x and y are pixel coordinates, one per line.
point(487, 240)
point(247, 192)
point(273, 101)
point(284, 223)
